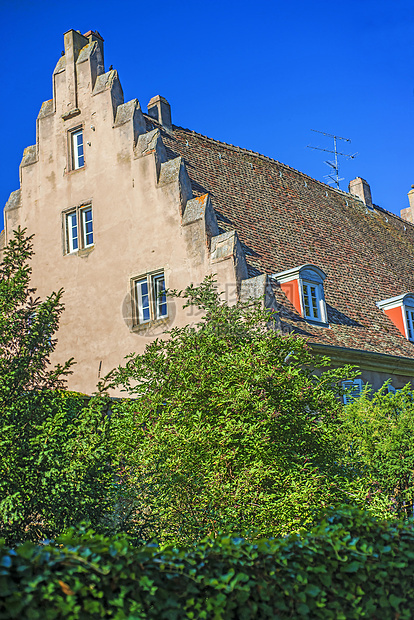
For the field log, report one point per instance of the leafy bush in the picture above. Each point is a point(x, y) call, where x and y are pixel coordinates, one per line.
point(378, 433)
point(231, 428)
point(53, 460)
point(351, 566)
point(27, 327)
point(54, 469)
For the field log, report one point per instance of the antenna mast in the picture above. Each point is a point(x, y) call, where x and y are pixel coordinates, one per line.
point(334, 176)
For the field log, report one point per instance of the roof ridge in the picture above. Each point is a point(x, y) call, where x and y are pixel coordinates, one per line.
point(337, 190)
point(398, 217)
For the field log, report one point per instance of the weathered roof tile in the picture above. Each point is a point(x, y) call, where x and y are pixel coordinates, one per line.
point(284, 218)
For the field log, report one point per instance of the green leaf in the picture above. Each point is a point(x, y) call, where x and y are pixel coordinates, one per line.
point(312, 590)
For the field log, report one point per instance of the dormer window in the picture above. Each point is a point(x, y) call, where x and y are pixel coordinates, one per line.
point(400, 310)
point(303, 286)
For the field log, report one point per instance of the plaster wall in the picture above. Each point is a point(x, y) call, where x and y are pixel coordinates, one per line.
point(376, 379)
point(138, 200)
point(396, 316)
point(291, 290)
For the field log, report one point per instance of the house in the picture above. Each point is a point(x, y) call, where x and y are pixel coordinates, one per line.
point(124, 204)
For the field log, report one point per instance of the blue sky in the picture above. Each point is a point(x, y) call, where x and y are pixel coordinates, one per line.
point(259, 74)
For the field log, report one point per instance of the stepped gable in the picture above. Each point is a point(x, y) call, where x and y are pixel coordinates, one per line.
point(284, 219)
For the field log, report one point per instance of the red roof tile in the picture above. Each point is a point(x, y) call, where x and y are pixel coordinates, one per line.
point(284, 219)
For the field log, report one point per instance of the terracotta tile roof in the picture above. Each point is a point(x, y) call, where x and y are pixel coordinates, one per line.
point(284, 219)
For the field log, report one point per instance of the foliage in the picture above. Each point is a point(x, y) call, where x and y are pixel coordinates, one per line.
point(350, 566)
point(231, 428)
point(378, 431)
point(54, 468)
point(53, 464)
point(27, 326)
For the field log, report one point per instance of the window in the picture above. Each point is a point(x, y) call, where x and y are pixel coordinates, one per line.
point(160, 296)
point(143, 301)
point(78, 229)
point(312, 301)
point(72, 231)
point(353, 389)
point(150, 298)
point(87, 227)
point(409, 315)
point(400, 310)
point(303, 286)
point(78, 159)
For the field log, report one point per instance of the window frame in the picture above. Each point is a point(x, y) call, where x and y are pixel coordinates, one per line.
point(74, 157)
point(140, 295)
point(153, 305)
point(84, 226)
point(160, 298)
point(408, 321)
point(71, 222)
point(313, 277)
point(77, 214)
point(306, 284)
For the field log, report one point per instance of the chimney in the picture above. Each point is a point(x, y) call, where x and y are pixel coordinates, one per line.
point(359, 187)
point(93, 35)
point(408, 213)
point(160, 109)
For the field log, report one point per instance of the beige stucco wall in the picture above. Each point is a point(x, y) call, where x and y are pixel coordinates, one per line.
point(144, 217)
point(376, 379)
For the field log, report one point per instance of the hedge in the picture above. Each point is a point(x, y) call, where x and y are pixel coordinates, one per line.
point(349, 566)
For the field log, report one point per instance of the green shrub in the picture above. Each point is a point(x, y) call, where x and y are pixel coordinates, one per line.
point(54, 469)
point(378, 433)
point(349, 566)
point(231, 428)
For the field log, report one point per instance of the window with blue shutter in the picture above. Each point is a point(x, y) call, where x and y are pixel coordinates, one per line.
point(353, 389)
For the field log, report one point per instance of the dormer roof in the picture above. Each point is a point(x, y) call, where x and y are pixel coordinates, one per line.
point(406, 299)
point(305, 272)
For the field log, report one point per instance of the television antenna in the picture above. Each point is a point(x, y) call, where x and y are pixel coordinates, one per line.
point(334, 165)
